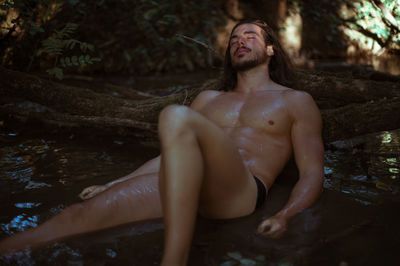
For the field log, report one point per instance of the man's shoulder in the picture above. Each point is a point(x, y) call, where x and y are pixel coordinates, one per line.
point(204, 97)
point(301, 103)
point(298, 98)
point(209, 93)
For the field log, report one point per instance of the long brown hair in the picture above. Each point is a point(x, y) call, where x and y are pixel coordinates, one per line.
point(280, 66)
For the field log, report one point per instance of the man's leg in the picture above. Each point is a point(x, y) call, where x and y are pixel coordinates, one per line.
point(201, 170)
point(149, 167)
point(133, 200)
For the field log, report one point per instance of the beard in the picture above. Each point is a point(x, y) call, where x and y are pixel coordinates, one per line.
point(244, 65)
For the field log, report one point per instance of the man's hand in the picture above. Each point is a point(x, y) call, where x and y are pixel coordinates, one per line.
point(273, 227)
point(92, 191)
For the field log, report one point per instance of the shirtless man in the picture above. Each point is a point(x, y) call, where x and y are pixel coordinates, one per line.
point(219, 157)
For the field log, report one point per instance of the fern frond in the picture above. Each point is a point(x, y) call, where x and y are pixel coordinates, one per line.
point(74, 60)
point(53, 46)
point(66, 32)
point(70, 43)
point(82, 61)
point(68, 61)
point(57, 72)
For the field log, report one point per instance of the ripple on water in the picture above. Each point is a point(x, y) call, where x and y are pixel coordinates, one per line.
point(19, 223)
point(365, 167)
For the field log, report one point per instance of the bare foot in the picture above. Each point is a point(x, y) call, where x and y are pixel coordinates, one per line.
point(92, 191)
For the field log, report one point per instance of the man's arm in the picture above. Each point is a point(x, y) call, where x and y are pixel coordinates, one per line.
point(309, 155)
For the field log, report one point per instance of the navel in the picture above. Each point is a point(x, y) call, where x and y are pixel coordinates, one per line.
point(271, 122)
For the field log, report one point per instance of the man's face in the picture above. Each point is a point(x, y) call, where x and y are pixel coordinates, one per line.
point(247, 47)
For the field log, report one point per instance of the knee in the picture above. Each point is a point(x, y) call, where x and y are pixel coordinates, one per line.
point(173, 121)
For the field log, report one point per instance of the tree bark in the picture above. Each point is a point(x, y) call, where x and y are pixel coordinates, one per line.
point(350, 107)
point(332, 90)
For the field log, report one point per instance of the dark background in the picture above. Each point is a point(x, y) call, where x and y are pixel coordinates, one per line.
point(142, 37)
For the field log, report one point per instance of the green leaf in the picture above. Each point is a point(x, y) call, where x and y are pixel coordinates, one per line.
point(235, 255)
point(82, 61)
point(62, 61)
point(74, 60)
point(73, 42)
point(247, 262)
point(90, 47)
point(150, 13)
point(83, 46)
point(68, 61)
point(285, 264)
point(57, 72)
point(228, 263)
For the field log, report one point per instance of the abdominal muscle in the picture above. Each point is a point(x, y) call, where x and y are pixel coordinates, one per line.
point(263, 154)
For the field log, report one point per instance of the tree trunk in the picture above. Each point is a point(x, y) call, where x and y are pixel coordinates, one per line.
point(361, 106)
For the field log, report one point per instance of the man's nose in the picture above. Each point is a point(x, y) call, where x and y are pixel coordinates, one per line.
point(242, 41)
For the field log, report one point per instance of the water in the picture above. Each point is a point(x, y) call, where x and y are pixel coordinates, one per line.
point(367, 167)
point(40, 176)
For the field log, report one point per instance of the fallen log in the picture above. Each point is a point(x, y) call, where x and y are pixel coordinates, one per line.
point(359, 106)
point(360, 119)
point(332, 90)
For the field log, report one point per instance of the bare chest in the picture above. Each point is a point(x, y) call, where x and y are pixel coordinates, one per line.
point(263, 112)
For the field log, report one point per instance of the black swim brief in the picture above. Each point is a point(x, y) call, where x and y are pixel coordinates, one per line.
point(261, 193)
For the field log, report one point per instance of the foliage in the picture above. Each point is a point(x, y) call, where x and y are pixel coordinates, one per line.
point(142, 36)
point(373, 21)
point(155, 42)
point(23, 26)
point(58, 45)
point(138, 36)
point(236, 258)
point(370, 24)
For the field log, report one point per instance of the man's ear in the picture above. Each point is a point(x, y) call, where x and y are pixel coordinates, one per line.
point(270, 50)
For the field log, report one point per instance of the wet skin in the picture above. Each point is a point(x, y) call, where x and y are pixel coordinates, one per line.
point(220, 143)
point(258, 123)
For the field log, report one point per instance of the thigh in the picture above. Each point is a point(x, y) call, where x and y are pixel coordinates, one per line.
point(228, 189)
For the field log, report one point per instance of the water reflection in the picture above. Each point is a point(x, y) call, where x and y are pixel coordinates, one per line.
point(386, 137)
point(19, 223)
point(365, 167)
point(27, 205)
point(39, 178)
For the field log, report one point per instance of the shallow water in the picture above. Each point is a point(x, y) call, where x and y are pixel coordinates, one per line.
point(40, 176)
point(366, 167)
